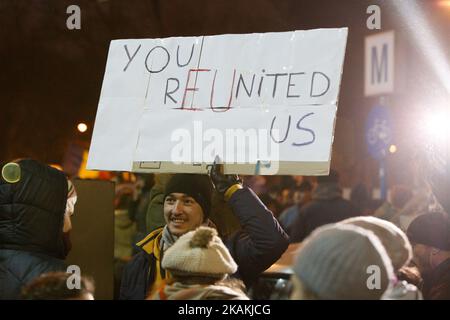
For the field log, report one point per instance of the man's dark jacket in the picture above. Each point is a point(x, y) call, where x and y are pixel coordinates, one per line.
point(31, 224)
point(327, 206)
point(437, 284)
point(259, 244)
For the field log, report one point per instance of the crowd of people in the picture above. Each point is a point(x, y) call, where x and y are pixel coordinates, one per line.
point(191, 236)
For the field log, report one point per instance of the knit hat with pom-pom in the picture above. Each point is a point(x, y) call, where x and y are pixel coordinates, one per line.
point(199, 253)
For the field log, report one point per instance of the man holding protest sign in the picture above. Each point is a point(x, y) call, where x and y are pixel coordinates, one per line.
point(187, 202)
point(264, 103)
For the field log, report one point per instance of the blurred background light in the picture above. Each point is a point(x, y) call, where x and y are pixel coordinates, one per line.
point(444, 3)
point(434, 129)
point(424, 36)
point(82, 127)
point(393, 148)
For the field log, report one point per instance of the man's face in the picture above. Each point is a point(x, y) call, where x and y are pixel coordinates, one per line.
point(422, 258)
point(182, 213)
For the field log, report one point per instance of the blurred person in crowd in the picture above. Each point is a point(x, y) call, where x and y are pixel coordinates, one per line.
point(335, 263)
point(327, 206)
point(257, 183)
point(298, 180)
point(275, 193)
point(431, 176)
point(36, 202)
point(187, 205)
point(399, 251)
point(199, 263)
point(360, 198)
point(70, 209)
point(399, 197)
point(54, 286)
point(137, 210)
point(124, 236)
point(286, 198)
point(270, 203)
point(430, 238)
point(432, 165)
point(302, 195)
point(291, 182)
point(422, 202)
point(282, 196)
point(132, 202)
point(155, 210)
point(302, 192)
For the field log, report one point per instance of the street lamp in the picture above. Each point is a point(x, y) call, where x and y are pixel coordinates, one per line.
point(82, 127)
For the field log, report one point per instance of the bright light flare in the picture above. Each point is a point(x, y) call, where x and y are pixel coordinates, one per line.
point(435, 128)
point(393, 148)
point(444, 3)
point(436, 125)
point(56, 166)
point(425, 38)
point(82, 127)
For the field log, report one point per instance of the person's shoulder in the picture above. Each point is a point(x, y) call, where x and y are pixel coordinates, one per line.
point(223, 292)
point(310, 207)
point(35, 258)
point(345, 208)
point(137, 263)
point(345, 203)
point(146, 243)
point(289, 211)
point(444, 273)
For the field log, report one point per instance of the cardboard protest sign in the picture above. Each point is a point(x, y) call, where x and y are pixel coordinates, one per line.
point(264, 103)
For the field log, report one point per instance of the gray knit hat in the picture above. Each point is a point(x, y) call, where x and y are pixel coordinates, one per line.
point(199, 253)
point(392, 237)
point(338, 261)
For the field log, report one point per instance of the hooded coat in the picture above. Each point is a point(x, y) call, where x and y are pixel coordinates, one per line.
point(31, 226)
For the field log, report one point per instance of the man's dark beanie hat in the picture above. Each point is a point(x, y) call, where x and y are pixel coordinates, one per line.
point(431, 229)
point(197, 186)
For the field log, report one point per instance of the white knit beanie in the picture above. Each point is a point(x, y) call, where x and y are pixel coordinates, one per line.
point(392, 237)
point(201, 253)
point(338, 261)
